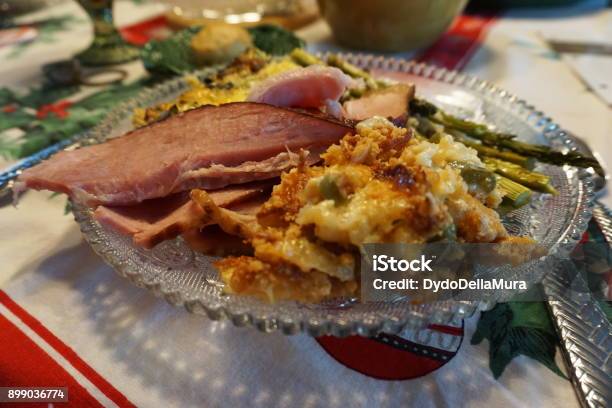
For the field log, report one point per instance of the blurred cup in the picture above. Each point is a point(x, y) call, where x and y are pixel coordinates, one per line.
point(389, 25)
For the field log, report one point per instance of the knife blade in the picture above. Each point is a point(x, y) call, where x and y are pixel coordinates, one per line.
point(566, 47)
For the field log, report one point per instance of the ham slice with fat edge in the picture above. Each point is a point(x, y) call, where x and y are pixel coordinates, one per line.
point(208, 147)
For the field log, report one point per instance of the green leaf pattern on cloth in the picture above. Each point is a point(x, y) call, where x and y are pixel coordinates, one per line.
point(517, 328)
point(41, 128)
point(526, 328)
point(47, 31)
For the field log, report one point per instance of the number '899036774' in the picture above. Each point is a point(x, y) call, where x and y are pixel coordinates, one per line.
point(33, 394)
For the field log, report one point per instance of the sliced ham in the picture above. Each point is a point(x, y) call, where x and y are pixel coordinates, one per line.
point(240, 223)
point(209, 147)
point(214, 240)
point(311, 87)
point(391, 102)
point(159, 219)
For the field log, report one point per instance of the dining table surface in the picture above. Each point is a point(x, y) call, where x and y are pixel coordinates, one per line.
point(67, 318)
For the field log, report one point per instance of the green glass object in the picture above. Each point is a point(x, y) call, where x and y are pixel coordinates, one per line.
point(107, 47)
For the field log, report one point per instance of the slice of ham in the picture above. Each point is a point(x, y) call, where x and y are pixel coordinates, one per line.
point(391, 102)
point(242, 223)
point(213, 240)
point(311, 87)
point(209, 147)
point(156, 220)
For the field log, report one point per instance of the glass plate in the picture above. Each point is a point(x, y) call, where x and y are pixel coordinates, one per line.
point(172, 270)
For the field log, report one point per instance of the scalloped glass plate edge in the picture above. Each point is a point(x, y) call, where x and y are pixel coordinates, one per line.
point(317, 324)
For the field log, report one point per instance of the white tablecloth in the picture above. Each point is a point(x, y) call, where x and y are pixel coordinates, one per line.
point(158, 355)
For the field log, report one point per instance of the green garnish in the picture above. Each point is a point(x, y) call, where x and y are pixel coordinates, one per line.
point(330, 191)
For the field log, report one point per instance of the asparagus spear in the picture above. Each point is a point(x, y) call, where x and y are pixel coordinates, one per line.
point(547, 155)
point(516, 194)
point(532, 179)
point(427, 128)
point(488, 151)
point(304, 58)
point(422, 107)
point(372, 84)
point(503, 140)
point(349, 69)
point(476, 130)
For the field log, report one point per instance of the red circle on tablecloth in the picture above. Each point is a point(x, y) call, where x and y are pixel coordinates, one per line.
point(390, 357)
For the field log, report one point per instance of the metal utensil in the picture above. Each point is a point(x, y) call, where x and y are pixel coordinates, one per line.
point(583, 328)
point(564, 47)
